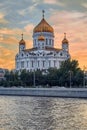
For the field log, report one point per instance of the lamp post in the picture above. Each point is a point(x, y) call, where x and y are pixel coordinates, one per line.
point(70, 78)
point(34, 79)
point(84, 68)
point(86, 78)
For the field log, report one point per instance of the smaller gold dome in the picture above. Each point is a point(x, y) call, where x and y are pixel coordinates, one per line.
point(41, 38)
point(65, 40)
point(22, 42)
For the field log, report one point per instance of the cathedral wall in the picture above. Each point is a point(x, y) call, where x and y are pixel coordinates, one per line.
point(42, 63)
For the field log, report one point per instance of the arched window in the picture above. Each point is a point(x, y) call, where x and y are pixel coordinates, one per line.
point(61, 54)
point(46, 41)
point(49, 41)
point(54, 63)
point(22, 64)
point(22, 55)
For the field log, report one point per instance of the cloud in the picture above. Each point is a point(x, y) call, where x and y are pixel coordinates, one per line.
point(29, 28)
point(64, 16)
point(84, 5)
point(9, 44)
point(1, 37)
point(28, 10)
point(10, 31)
point(22, 12)
point(9, 41)
point(54, 2)
point(7, 61)
point(50, 1)
point(1, 15)
point(1, 4)
point(8, 50)
point(81, 56)
point(2, 19)
point(10, 38)
point(28, 32)
point(74, 23)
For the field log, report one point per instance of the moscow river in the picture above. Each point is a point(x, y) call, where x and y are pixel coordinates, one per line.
point(42, 113)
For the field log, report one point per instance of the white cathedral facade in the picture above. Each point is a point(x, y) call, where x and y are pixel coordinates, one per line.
point(43, 55)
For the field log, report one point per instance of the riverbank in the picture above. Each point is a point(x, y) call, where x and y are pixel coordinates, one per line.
point(46, 92)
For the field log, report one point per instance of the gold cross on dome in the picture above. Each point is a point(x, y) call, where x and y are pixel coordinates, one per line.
point(64, 35)
point(43, 13)
point(22, 35)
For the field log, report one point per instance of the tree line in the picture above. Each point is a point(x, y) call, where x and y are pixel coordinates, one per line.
point(68, 75)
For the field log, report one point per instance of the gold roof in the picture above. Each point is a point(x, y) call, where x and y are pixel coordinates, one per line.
point(65, 40)
point(41, 38)
point(43, 26)
point(22, 42)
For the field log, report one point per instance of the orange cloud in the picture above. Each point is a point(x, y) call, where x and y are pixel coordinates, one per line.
point(74, 24)
point(9, 44)
point(29, 28)
point(6, 58)
point(11, 31)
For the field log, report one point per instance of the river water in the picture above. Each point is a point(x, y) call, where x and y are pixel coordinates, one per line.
point(42, 113)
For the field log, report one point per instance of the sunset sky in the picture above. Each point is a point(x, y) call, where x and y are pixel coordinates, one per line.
point(21, 16)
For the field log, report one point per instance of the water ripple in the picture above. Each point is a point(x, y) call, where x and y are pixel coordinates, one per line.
point(42, 113)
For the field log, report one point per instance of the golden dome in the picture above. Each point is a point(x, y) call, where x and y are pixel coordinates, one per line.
point(65, 40)
point(22, 42)
point(43, 26)
point(41, 38)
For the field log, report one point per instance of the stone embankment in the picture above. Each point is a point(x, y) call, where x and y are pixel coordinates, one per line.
point(46, 92)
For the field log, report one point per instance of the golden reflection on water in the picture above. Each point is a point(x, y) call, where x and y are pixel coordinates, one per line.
point(42, 113)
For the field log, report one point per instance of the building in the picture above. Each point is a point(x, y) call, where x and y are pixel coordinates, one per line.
point(2, 73)
point(43, 55)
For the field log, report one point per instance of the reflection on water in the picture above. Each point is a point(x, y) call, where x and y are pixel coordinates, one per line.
point(42, 113)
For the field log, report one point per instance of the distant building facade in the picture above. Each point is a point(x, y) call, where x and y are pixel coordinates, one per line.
point(2, 73)
point(43, 55)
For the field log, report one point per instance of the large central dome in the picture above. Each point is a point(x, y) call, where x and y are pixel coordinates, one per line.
point(43, 26)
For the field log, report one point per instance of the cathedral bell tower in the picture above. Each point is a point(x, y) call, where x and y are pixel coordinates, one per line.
point(65, 44)
point(22, 44)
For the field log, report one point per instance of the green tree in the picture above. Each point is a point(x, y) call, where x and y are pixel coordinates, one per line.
point(70, 69)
